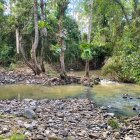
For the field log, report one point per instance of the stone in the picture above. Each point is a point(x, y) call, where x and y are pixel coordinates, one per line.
point(60, 115)
point(128, 138)
point(117, 135)
point(0, 132)
point(40, 137)
point(94, 136)
point(66, 118)
point(29, 114)
point(5, 129)
point(33, 103)
point(7, 110)
point(28, 126)
point(18, 114)
point(47, 132)
point(27, 100)
point(54, 138)
point(109, 115)
point(33, 108)
point(103, 108)
point(65, 133)
point(103, 126)
point(28, 134)
point(20, 123)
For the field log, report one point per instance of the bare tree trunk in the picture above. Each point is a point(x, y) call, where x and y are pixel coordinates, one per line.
point(43, 34)
point(35, 44)
point(61, 7)
point(42, 56)
point(89, 35)
point(90, 21)
point(87, 69)
point(17, 40)
point(61, 42)
point(37, 69)
point(62, 58)
point(23, 54)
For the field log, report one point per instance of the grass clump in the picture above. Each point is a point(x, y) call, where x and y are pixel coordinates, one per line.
point(113, 123)
point(17, 137)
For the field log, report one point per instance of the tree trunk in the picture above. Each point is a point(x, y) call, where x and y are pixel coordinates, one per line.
point(43, 34)
point(90, 21)
point(89, 36)
point(17, 40)
point(42, 55)
point(87, 69)
point(37, 68)
point(63, 71)
point(23, 54)
point(61, 42)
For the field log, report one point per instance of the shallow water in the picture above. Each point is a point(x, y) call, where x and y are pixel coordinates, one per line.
point(104, 95)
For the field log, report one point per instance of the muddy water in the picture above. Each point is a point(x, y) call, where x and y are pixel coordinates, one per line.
point(105, 95)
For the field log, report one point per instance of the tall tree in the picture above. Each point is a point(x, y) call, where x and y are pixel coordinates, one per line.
point(37, 68)
point(61, 36)
point(89, 34)
point(27, 21)
point(43, 32)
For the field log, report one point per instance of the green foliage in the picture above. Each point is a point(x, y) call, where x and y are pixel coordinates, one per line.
point(113, 66)
point(5, 53)
point(56, 49)
point(113, 123)
point(1, 137)
point(86, 53)
point(72, 42)
point(125, 62)
point(12, 66)
point(17, 137)
point(43, 24)
point(14, 137)
point(124, 68)
point(112, 35)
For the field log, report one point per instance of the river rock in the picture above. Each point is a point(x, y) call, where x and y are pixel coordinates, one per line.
point(29, 114)
point(94, 136)
point(40, 137)
point(109, 115)
point(136, 108)
point(96, 81)
point(128, 138)
point(117, 135)
point(27, 134)
point(53, 138)
point(28, 126)
point(66, 118)
point(5, 129)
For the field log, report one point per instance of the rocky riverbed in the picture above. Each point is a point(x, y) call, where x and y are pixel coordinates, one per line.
point(18, 77)
point(12, 77)
point(64, 119)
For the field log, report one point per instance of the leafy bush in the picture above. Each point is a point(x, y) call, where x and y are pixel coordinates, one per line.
point(113, 67)
point(5, 52)
point(125, 68)
point(125, 63)
point(86, 53)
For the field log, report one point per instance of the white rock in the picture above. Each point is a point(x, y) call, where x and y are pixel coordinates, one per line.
point(128, 138)
point(28, 134)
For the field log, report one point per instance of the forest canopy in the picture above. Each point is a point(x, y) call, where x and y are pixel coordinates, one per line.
point(72, 34)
